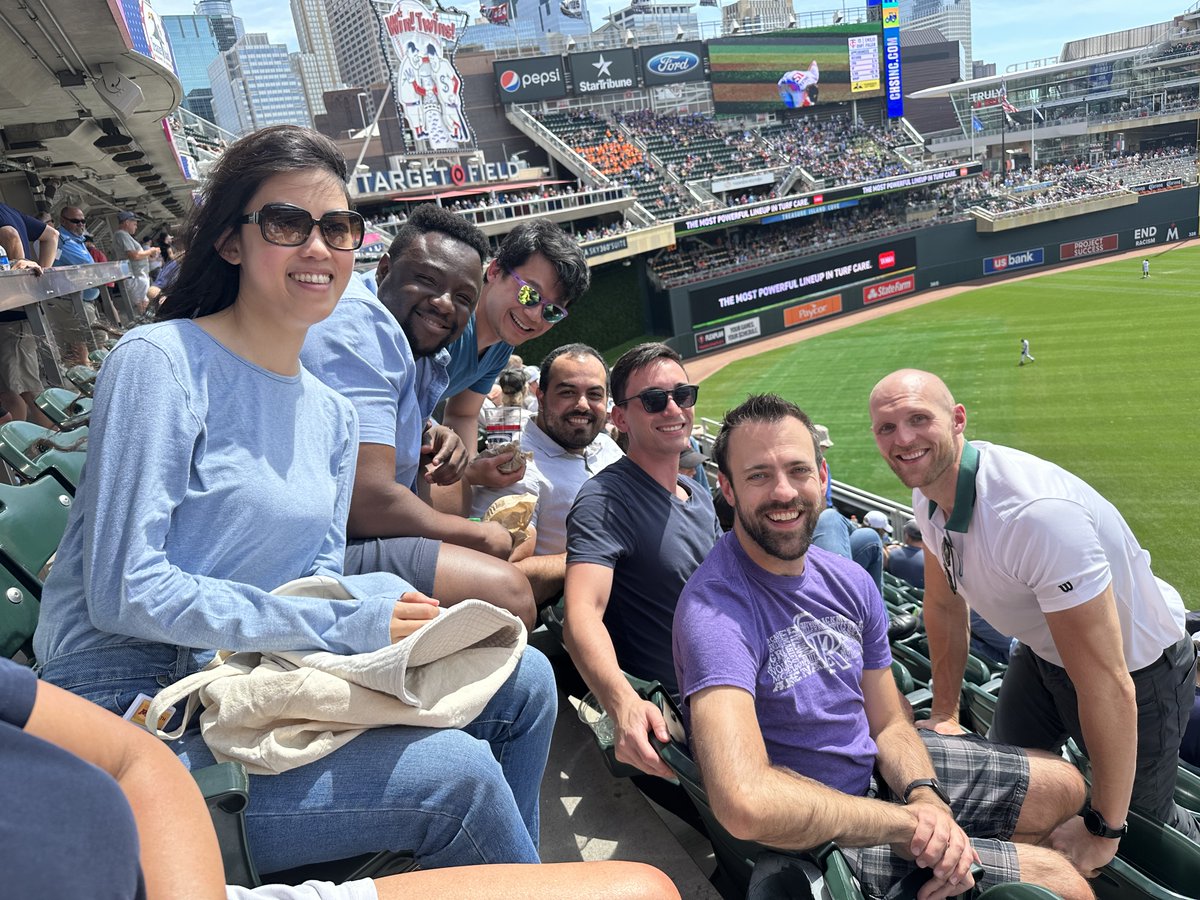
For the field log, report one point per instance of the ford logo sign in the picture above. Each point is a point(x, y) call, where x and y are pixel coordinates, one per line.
point(673, 62)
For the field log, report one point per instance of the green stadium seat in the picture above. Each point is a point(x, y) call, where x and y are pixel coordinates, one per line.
point(979, 701)
point(83, 378)
point(18, 616)
point(1018, 891)
point(60, 404)
point(32, 451)
point(33, 518)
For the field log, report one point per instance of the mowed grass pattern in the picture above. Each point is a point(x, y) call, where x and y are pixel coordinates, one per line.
point(1112, 396)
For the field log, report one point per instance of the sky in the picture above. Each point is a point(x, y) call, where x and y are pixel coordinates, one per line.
point(1003, 31)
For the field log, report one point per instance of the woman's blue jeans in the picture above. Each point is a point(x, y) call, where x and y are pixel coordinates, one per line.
point(452, 796)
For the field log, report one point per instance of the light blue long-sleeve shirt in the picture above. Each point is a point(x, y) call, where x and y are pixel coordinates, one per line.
point(210, 481)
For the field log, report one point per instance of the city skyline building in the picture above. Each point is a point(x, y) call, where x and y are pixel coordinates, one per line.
point(254, 85)
point(194, 46)
point(354, 31)
point(532, 24)
point(316, 60)
point(227, 27)
point(951, 17)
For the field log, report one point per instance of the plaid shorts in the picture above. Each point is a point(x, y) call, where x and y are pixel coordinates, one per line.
point(986, 783)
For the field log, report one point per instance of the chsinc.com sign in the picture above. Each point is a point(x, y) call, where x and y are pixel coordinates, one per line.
point(603, 71)
point(528, 80)
point(672, 63)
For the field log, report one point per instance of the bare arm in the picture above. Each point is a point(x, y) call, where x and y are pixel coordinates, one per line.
point(757, 801)
point(462, 415)
point(179, 854)
point(379, 507)
point(948, 625)
point(47, 247)
point(1088, 638)
point(586, 593)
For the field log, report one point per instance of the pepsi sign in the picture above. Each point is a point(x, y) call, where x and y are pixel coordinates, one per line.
point(672, 63)
point(530, 80)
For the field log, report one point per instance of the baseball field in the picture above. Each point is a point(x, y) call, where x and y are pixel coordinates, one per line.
point(1114, 394)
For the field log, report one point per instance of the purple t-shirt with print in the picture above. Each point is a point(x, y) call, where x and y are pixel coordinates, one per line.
point(799, 645)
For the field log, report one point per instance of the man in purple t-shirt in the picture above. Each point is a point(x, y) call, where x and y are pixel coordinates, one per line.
point(784, 668)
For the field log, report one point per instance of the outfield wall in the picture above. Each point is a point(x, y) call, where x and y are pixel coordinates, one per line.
point(743, 306)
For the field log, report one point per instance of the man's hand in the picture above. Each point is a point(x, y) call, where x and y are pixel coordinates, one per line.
point(942, 724)
point(938, 843)
point(412, 611)
point(1088, 853)
point(443, 455)
point(27, 264)
point(525, 549)
point(632, 723)
point(484, 470)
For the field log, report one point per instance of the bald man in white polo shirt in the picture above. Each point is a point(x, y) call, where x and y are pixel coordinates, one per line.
point(1041, 555)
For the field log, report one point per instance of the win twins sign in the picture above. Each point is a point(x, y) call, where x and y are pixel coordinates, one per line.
point(428, 86)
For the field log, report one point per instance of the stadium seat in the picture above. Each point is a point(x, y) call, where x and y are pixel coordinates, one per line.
point(979, 701)
point(1018, 891)
point(83, 378)
point(32, 451)
point(60, 404)
point(33, 518)
point(18, 616)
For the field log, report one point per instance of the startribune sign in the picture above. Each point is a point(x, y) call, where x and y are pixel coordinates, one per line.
point(603, 71)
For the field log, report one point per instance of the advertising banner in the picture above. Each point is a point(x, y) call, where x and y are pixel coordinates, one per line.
point(672, 63)
point(712, 305)
point(886, 290)
point(891, 59)
point(810, 312)
point(532, 79)
point(1088, 247)
point(428, 87)
point(1020, 259)
point(603, 71)
point(1167, 233)
point(716, 338)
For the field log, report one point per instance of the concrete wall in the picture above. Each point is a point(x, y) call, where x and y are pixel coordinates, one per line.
point(720, 312)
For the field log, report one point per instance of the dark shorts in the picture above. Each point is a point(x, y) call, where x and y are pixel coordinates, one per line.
point(412, 558)
point(986, 783)
point(1038, 708)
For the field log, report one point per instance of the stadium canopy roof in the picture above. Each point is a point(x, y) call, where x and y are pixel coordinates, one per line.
point(1039, 74)
point(69, 76)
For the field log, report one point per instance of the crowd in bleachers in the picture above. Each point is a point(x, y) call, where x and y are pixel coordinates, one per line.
point(838, 149)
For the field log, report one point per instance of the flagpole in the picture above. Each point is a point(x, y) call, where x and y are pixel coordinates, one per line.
point(1032, 144)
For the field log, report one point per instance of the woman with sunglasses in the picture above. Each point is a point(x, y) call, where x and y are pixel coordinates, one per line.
point(219, 469)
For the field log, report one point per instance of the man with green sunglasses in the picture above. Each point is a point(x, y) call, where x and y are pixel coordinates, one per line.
point(537, 275)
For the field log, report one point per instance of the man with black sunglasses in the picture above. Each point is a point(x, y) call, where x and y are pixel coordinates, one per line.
point(635, 534)
point(74, 333)
point(1103, 656)
point(538, 274)
point(387, 355)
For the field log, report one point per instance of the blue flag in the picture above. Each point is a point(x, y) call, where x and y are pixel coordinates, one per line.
point(976, 124)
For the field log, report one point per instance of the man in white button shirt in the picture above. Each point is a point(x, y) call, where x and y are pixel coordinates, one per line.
point(1103, 655)
point(569, 446)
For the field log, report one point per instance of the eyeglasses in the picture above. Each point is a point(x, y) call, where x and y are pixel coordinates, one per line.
point(951, 562)
point(527, 295)
point(75, 221)
point(289, 226)
point(654, 400)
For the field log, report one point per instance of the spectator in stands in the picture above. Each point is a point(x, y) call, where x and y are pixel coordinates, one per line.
point(219, 469)
point(371, 350)
point(636, 533)
point(839, 535)
point(569, 446)
point(87, 786)
point(166, 275)
point(20, 369)
point(784, 667)
point(73, 334)
point(537, 274)
point(1040, 554)
point(907, 560)
point(139, 258)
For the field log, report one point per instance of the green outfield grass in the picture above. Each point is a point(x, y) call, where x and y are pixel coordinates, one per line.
point(1112, 396)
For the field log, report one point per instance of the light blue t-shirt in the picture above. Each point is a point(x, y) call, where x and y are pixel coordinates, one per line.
point(362, 353)
point(470, 371)
point(209, 481)
point(73, 252)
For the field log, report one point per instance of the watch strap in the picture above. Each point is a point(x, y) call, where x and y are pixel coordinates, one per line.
point(1098, 825)
point(931, 783)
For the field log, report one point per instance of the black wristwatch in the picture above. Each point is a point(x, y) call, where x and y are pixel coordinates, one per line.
point(932, 784)
point(1094, 822)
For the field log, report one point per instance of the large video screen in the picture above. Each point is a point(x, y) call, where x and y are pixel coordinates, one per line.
point(796, 69)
